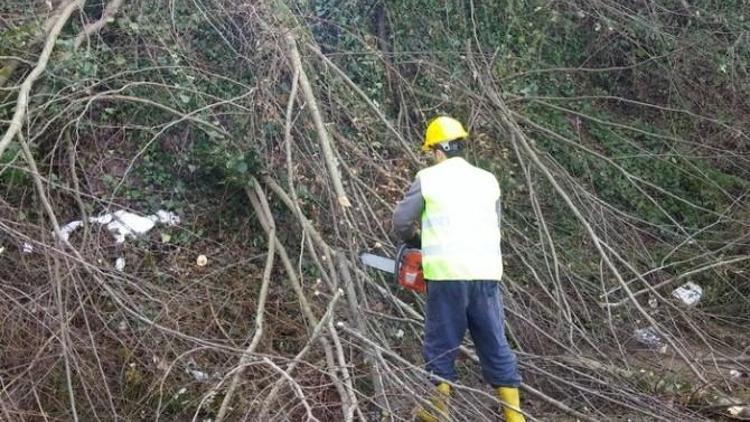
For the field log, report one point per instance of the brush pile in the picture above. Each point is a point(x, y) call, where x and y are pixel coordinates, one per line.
point(282, 134)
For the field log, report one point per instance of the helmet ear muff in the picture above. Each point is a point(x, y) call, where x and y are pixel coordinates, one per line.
point(451, 146)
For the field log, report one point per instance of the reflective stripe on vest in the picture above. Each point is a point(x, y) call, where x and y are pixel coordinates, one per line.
point(460, 228)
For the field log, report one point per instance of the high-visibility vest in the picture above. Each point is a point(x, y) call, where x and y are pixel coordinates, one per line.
point(460, 226)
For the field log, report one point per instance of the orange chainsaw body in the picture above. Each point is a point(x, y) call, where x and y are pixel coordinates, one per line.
point(409, 272)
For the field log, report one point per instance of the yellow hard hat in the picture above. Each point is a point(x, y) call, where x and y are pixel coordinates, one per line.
point(443, 129)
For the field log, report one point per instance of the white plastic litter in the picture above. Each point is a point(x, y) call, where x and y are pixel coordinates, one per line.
point(689, 293)
point(166, 217)
point(735, 410)
point(199, 376)
point(123, 224)
point(648, 337)
point(739, 376)
point(69, 228)
point(27, 248)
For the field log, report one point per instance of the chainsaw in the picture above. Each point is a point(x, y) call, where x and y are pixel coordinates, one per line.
point(406, 268)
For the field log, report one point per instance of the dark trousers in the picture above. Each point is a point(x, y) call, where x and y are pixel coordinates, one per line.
point(454, 306)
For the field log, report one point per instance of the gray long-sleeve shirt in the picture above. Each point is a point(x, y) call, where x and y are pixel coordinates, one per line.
point(409, 210)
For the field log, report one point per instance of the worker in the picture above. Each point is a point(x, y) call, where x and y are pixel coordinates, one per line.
point(459, 208)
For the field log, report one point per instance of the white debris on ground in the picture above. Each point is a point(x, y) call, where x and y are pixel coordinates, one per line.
point(199, 376)
point(194, 370)
point(689, 293)
point(69, 228)
point(120, 264)
point(739, 377)
point(739, 411)
point(179, 393)
point(166, 217)
point(122, 224)
point(27, 248)
point(201, 261)
point(649, 337)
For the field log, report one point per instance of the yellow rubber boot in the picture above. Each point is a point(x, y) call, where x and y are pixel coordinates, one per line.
point(511, 397)
point(439, 409)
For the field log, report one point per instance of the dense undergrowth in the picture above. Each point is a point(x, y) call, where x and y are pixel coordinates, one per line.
point(618, 130)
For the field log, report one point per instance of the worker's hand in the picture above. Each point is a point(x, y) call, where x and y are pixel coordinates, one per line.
point(415, 241)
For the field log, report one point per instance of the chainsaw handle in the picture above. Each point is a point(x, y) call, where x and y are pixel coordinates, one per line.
point(397, 262)
point(414, 242)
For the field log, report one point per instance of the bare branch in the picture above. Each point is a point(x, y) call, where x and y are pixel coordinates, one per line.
point(22, 102)
point(107, 16)
point(325, 139)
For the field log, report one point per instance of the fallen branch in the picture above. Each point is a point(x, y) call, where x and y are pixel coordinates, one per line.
point(262, 296)
point(325, 139)
point(22, 102)
point(262, 210)
point(64, 337)
point(316, 333)
point(295, 387)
